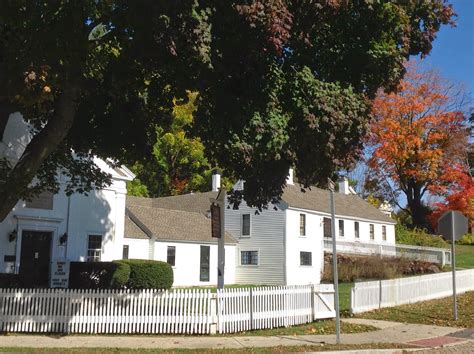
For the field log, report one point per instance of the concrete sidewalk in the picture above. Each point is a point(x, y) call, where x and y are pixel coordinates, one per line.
point(389, 332)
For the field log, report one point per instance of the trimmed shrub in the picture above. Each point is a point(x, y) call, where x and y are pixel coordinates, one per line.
point(418, 237)
point(10, 281)
point(91, 275)
point(145, 274)
point(467, 239)
point(121, 275)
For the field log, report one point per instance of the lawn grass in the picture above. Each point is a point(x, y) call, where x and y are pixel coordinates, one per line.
point(434, 312)
point(345, 297)
point(464, 256)
point(317, 327)
point(279, 349)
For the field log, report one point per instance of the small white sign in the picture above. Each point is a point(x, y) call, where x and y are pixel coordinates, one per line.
point(60, 274)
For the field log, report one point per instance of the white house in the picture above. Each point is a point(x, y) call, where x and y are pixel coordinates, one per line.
point(58, 227)
point(283, 245)
point(280, 245)
point(177, 230)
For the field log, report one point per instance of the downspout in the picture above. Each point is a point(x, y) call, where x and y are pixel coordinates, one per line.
point(67, 226)
point(285, 251)
point(16, 269)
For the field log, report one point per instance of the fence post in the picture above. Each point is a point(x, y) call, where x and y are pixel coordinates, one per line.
point(352, 301)
point(313, 302)
point(214, 314)
point(251, 307)
point(443, 258)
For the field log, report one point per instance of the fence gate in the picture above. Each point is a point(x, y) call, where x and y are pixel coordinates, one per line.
point(247, 309)
point(324, 302)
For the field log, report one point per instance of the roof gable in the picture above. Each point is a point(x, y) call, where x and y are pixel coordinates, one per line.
point(172, 224)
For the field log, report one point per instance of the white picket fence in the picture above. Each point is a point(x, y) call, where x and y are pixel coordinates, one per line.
point(247, 309)
point(430, 254)
point(371, 295)
point(179, 311)
point(105, 311)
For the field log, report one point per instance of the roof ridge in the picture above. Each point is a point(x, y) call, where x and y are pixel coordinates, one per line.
point(169, 209)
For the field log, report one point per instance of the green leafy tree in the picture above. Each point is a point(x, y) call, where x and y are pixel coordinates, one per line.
point(179, 164)
point(282, 83)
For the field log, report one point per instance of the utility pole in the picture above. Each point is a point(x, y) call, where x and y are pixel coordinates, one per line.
point(331, 187)
point(218, 231)
point(453, 266)
point(452, 225)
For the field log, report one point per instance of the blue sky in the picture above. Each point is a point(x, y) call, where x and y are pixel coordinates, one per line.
point(453, 49)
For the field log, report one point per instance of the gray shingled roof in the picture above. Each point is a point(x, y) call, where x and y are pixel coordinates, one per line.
point(193, 202)
point(346, 205)
point(173, 225)
point(132, 230)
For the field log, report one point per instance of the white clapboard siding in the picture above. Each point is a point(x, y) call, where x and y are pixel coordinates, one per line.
point(247, 309)
point(366, 296)
point(105, 311)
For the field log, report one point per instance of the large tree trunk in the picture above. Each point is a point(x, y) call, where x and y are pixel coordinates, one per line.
point(39, 149)
point(416, 207)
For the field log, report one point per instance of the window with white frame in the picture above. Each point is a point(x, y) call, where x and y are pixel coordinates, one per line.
point(245, 225)
point(384, 232)
point(94, 248)
point(302, 224)
point(341, 228)
point(372, 231)
point(249, 257)
point(306, 258)
point(356, 229)
point(171, 255)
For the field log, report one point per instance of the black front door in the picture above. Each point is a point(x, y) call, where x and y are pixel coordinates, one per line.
point(35, 258)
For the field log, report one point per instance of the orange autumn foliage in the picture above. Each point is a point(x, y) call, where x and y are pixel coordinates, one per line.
point(415, 135)
point(458, 194)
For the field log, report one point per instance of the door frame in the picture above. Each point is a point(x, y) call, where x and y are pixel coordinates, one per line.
point(28, 226)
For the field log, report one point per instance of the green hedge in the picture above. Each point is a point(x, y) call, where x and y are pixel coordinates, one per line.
point(145, 274)
point(467, 239)
point(10, 281)
point(133, 273)
point(121, 275)
point(92, 275)
point(418, 237)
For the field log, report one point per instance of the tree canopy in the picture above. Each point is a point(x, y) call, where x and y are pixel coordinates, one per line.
point(282, 83)
point(418, 140)
point(179, 164)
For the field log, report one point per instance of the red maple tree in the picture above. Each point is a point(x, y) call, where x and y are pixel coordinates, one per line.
point(418, 133)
